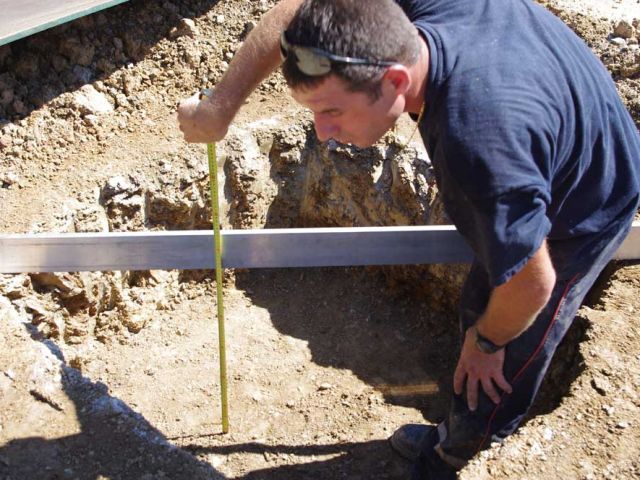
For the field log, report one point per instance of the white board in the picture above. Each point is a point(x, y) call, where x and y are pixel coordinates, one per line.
point(268, 248)
point(21, 18)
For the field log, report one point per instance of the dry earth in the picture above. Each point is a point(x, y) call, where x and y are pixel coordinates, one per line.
point(115, 375)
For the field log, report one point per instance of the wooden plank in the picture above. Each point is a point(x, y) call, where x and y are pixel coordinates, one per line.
point(21, 18)
point(269, 248)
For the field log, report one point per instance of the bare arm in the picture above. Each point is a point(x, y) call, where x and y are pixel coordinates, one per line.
point(514, 305)
point(512, 308)
point(259, 55)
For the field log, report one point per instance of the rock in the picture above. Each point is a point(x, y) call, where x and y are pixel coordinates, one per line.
point(601, 385)
point(19, 107)
point(132, 45)
point(118, 185)
point(35, 307)
point(91, 120)
point(8, 179)
point(59, 63)
point(219, 19)
point(121, 100)
point(193, 58)
point(15, 286)
point(5, 53)
point(27, 66)
point(81, 74)
point(124, 203)
point(248, 27)
point(178, 210)
point(620, 42)
point(624, 30)
point(60, 281)
point(76, 51)
point(91, 218)
point(91, 102)
point(186, 27)
point(130, 83)
point(135, 322)
point(6, 97)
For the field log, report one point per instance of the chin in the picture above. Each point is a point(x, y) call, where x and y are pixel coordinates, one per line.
point(365, 143)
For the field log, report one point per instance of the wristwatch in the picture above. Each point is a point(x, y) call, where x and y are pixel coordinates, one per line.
point(483, 343)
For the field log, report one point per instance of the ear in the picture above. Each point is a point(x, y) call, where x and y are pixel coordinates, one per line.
point(398, 77)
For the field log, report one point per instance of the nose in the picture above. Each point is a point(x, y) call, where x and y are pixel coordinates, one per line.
point(325, 128)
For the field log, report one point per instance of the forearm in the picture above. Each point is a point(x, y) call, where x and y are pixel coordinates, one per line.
point(514, 305)
point(258, 56)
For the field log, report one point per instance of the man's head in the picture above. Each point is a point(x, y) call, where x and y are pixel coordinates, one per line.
point(339, 51)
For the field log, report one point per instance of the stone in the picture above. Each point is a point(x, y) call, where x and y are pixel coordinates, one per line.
point(135, 322)
point(15, 286)
point(82, 74)
point(5, 53)
point(9, 179)
point(601, 385)
point(248, 27)
point(19, 107)
point(132, 45)
point(121, 100)
point(624, 30)
point(35, 306)
point(91, 218)
point(91, 102)
point(118, 185)
point(59, 281)
point(186, 27)
point(78, 52)
point(620, 42)
point(6, 97)
point(27, 66)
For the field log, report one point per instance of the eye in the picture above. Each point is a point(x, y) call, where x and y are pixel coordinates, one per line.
point(332, 112)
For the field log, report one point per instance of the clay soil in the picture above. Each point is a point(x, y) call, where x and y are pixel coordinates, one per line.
point(115, 375)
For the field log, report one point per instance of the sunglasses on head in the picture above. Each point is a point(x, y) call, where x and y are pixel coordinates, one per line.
point(316, 62)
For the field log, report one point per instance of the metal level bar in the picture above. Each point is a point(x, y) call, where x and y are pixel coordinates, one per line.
point(21, 18)
point(269, 248)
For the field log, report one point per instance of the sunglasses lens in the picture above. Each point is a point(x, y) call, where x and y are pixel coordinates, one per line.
point(312, 64)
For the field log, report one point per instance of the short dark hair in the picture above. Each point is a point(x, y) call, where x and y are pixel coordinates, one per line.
point(370, 29)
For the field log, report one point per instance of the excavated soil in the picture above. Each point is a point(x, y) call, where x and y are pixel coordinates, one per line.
point(115, 375)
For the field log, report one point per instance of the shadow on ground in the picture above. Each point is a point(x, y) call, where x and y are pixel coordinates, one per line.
point(351, 321)
point(115, 442)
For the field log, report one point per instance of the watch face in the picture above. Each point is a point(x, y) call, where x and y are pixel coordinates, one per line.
point(484, 344)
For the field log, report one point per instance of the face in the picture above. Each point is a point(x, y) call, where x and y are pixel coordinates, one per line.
point(351, 117)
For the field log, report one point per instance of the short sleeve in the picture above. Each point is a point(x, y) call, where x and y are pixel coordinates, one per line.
point(492, 168)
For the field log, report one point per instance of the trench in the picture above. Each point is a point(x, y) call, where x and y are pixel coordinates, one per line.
point(394, 327)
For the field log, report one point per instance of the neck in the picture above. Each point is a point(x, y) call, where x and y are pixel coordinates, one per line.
point(419, 77)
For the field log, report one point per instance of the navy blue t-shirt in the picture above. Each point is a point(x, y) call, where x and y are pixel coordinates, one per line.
point(524, 127)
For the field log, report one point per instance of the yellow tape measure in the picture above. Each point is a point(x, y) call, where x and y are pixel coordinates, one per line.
point(217, 250)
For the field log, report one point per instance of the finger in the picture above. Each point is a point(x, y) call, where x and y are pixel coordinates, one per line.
point(472, 393)
point(502, 383)
point(458, 380)
point(490, 390)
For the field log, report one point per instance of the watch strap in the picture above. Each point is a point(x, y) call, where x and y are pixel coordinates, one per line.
point(484, 344)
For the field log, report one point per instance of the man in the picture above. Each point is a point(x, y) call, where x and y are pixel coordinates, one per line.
point(536, 159)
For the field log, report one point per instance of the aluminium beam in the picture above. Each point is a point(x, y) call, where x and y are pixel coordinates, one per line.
point(268, 248)
point(21, 18)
